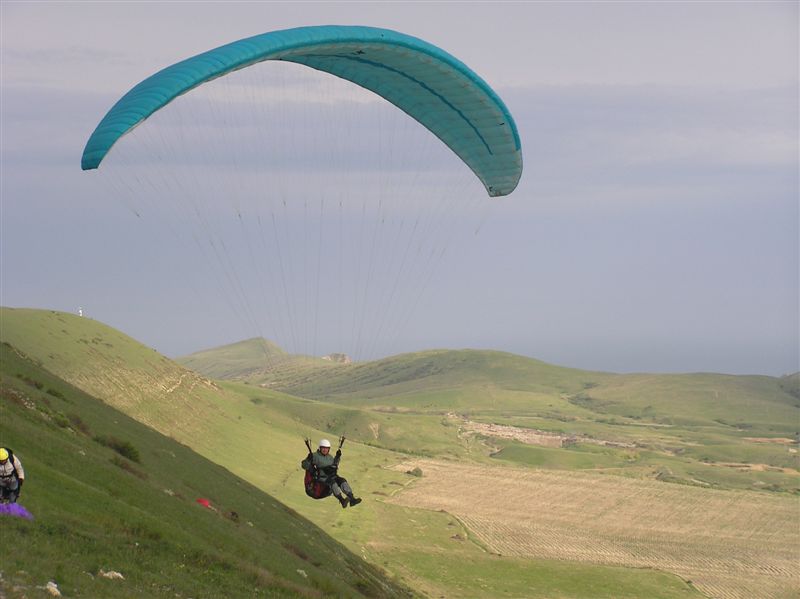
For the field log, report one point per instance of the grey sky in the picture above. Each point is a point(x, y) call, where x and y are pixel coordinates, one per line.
point(655, 227)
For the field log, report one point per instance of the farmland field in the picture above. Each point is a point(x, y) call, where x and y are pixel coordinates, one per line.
point(730, 544)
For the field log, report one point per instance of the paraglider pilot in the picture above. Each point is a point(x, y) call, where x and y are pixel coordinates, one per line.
point(324, 477)
point(11, 476)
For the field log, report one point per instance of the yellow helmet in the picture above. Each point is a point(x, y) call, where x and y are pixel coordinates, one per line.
point(3, 454)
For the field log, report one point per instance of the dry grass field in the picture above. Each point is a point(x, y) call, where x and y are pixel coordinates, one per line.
point(729, 544)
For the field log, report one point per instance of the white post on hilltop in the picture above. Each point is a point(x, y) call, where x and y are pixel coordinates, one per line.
point(80, 312)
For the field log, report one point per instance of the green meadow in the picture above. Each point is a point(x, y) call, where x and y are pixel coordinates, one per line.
point(244, 436)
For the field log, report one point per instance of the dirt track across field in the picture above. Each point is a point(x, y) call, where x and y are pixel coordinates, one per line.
point(729, 544)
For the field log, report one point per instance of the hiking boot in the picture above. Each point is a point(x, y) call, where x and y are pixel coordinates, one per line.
point(355, 500)
point(343, 500)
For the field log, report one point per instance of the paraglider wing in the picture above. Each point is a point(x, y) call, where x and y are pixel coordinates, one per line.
point(427, 83)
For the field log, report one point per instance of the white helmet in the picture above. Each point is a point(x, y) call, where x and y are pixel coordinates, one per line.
point(325, 443)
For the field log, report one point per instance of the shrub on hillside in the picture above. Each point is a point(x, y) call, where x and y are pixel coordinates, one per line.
point(124, 448)
point(78, 424)
point(55, 393)
point(60, 420)
point(30, 381)
point(127, 467)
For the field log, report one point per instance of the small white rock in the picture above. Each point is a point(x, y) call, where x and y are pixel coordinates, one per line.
point(52, 588)
point(111, 574)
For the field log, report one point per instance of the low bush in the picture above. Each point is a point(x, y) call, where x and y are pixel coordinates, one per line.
point(128, 467)
point(78, 424)
point(30, 381)
point(124, 448)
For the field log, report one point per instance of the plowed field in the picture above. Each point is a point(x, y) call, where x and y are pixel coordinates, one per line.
point(730, 544)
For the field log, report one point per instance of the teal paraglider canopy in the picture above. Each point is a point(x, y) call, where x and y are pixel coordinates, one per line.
point(427, 83)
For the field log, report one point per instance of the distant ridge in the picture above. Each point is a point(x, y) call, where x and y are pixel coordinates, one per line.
point(467, 377)
point(236, 361)
point(791, 384)
point(431, 369)
point(259, 361)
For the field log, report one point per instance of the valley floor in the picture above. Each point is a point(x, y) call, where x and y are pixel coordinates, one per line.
point(730, 544)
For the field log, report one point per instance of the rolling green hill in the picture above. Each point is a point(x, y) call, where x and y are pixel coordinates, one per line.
point(705, 429)
point(396, 375)
point(489, 381)
point(432, 370)
point(256, 434)
point(110, 494)
point(236, 361)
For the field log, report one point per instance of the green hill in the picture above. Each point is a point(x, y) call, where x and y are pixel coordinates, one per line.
point(671, 428)
point(256, 434)
point(110, 494)
point(112, 366)
point(431, 370)
point(706, 429)
point(484, 382)
point(791, 384)
point(236, 361)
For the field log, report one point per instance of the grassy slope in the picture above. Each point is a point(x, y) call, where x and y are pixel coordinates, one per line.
point(112, 366)
point(256, 433)
point(96, 509)
point(746, 401)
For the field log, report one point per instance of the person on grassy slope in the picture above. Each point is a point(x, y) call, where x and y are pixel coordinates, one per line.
point(11, 476)
point(324, 467)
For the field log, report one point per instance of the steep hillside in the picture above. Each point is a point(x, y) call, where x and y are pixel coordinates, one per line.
point(111, 495)
point(110, 365)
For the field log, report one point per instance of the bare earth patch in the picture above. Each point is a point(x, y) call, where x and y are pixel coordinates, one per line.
point(533, 436)
point(524, 435)
point(729, 544)
point(778, 440)
point(754, 467)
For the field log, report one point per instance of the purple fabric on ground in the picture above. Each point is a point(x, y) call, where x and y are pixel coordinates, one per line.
point(15, 509)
